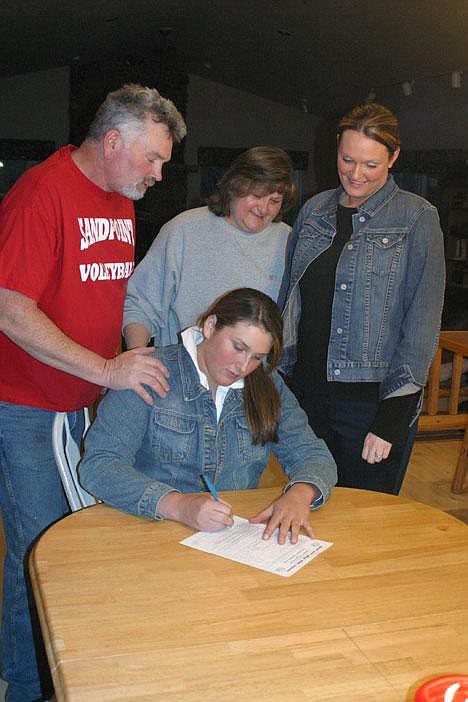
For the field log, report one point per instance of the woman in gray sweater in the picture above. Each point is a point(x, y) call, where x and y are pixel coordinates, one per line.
point(237, 240)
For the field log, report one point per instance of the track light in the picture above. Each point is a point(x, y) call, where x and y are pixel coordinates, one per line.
point(456, 79)
point(407, 87)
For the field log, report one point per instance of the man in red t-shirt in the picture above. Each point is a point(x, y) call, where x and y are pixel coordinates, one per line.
point(67, 238)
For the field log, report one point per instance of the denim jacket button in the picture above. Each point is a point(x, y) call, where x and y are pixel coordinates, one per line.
point(339, 330)
point(343, 286)
point(385, 240)
point(337, 371)
point(350, 247)
point(362, 219)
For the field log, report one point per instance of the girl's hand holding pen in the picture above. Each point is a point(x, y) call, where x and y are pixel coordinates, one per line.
point(205, 513)
point(199, 511)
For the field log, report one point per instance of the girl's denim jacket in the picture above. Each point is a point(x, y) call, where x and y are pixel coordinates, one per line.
point(135, 454)
point(389, 287)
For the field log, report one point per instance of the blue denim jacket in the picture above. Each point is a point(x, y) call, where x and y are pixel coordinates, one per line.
point(389, 287)
point(136, 454)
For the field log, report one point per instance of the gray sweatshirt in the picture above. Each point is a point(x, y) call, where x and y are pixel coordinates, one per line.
point(195, 257)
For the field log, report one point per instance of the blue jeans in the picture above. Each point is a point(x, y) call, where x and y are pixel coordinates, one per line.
point(343, 425)
point(31, 499)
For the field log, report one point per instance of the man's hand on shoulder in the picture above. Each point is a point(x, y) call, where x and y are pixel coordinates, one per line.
point(133, 369)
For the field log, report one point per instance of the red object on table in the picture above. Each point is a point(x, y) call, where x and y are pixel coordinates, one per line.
point(445, 688)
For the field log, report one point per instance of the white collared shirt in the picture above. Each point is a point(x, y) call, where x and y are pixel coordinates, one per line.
point(191, 338)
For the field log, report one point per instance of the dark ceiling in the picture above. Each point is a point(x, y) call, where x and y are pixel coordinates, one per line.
point(321, 56)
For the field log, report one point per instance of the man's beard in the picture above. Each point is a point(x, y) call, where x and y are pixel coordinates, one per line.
point(135, 191)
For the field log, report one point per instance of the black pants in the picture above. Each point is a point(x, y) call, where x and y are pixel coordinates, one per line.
point(344, 424)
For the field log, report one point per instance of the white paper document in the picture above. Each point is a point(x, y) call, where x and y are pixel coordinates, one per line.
point(243, 543)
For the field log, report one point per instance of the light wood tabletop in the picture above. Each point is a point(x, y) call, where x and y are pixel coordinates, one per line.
point(128, 613)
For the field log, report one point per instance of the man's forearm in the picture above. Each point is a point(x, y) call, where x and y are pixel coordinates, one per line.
point(28, 327)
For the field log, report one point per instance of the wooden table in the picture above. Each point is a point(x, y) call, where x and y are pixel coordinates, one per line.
point(128, 613)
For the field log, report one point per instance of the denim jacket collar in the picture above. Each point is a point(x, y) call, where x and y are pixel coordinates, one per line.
point(327, 207)
point(190, 380)
point(381, 198)
point(191, 386)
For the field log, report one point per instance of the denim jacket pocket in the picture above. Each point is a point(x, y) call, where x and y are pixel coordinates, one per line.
point(384, 250)
point(174, 436)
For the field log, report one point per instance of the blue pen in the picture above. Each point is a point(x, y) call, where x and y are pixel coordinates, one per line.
point(210, 486)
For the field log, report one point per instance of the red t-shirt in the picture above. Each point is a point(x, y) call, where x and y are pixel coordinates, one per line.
point(68, 245)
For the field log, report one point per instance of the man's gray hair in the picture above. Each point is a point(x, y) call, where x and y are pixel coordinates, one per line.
point(127, 109)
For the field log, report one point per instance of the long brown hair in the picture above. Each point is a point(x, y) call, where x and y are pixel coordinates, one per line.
point(260, 170)
point(374, 121)
point(261, 398)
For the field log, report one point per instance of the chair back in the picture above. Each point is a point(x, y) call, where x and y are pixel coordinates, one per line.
point(67, 456)
point(442, 412)
point(442, 404)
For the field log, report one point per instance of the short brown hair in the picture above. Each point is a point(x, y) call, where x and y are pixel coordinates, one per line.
point(376, 122)
point(262, 169)
point(261, 398)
